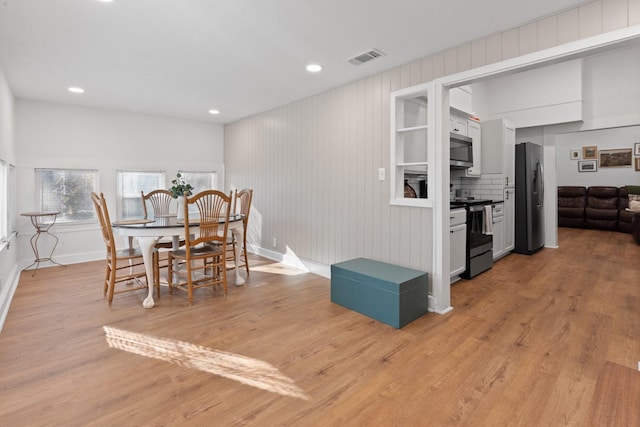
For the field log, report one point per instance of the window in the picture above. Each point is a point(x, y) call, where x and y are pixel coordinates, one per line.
point(201, 181)
point(12, 219)
point(8, 222)
point(4, 211)
point(130, 184)
point(67, 191)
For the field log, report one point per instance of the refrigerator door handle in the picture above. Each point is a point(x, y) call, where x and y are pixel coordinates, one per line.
point(541, 196)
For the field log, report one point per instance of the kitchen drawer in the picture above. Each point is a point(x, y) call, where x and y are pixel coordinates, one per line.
point(457, 217)
point(498, 209)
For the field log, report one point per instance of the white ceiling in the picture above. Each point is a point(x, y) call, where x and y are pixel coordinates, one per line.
point(180, 58)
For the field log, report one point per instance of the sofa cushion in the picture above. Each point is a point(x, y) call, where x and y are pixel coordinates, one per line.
point(624, 216)
point(623, 198)
point(594, 213)
point(571, 191)
point(603, 198)
point(571, 212)
point(602, 191)
point(624, 221)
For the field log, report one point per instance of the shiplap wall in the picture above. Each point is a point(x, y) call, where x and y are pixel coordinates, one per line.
point(313, 163)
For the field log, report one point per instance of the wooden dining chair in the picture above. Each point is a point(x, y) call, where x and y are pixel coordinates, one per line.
point(204, 256)
point(162, 203)
point(124, 266)
point(244, 197)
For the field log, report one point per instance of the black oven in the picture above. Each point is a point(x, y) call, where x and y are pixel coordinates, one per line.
point(479, 250)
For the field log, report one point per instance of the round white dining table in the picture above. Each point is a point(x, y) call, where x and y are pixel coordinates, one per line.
point(148, 232)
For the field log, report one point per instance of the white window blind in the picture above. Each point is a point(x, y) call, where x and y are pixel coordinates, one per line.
point(130, 184)
point(201, 181)
point(67, 191)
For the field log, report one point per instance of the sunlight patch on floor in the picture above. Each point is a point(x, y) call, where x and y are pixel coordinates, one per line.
point(240, 368)
point(277, 268)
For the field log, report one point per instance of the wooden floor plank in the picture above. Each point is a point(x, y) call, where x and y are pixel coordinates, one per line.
point(526, 344)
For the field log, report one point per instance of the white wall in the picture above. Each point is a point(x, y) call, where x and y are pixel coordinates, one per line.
point(611, 120)
point(57, 136)
point(8, 266)
point(612, 89)
point(314, 162)
point(604, 139)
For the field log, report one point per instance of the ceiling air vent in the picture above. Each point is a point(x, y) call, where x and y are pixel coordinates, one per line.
point(367, 56)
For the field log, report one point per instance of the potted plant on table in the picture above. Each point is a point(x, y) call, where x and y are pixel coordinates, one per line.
point(179, 189)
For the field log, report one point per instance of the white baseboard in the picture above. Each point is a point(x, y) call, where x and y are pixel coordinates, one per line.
point(314, 267)
point(320, 269)
point(65, 259)
point(6, 294)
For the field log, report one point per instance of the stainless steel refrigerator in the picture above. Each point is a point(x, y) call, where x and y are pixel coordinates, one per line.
point(529, 221)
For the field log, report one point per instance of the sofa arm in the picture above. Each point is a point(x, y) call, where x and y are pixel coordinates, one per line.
point(635, 224)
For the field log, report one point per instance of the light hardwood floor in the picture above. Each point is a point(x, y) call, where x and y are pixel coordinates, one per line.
point(524, 345)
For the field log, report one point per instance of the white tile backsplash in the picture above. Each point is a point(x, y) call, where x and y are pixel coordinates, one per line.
point(487, 186)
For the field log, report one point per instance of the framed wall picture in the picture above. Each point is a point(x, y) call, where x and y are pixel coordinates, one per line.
point(587, 166)
point(637, 159)
point(615, 158)
point(636, 149)
point(574, 154)
point(590, 152)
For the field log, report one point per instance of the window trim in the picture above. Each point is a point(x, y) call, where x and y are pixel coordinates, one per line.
point(119, 183)
point(214, 173)
point(4, 202)
point(38, 194)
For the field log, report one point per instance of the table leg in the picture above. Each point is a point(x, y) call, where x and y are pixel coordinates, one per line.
point(42, 228)
point(146, 247)
point(237, 232)
point(175, 245)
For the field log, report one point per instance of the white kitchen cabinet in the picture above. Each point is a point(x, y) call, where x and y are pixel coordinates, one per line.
point(542, 96)
point(498, 231)
point(412, 116)
point(459, 124)
point(460, 98)
point(509, 219)
point(498, 149)
point(458, 241)
point(474, 131)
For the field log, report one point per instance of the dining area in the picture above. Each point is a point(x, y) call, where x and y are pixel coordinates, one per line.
point(185, 240)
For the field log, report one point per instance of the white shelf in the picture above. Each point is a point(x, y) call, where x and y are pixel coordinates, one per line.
point(412, 144)
point(413, 128)
point(413, 164)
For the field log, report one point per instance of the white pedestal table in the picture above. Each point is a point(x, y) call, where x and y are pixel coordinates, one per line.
point(148, 233)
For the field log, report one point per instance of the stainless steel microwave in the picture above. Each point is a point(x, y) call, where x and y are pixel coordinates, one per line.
point(461, 151)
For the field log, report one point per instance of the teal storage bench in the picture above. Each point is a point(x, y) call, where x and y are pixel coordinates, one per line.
point(389, 293)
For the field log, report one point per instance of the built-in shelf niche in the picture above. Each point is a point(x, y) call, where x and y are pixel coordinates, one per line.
point(412, 130)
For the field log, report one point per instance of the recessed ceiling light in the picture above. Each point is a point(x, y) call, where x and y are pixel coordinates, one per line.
point(314, 68)
point(214, 112)
point(105, 1)
point(76, 90)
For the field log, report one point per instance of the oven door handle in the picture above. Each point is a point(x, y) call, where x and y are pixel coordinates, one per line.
point(476, 208)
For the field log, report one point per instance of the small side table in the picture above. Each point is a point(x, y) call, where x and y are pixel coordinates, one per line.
point(42, 227)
